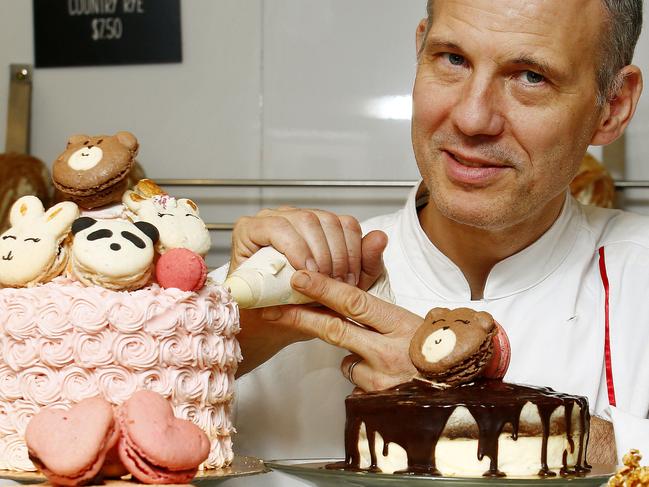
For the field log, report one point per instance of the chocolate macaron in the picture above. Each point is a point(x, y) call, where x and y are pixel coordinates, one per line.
point(93, 170)
point(455, 346)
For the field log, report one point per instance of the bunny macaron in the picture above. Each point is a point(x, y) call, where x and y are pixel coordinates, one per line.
point(34, 248)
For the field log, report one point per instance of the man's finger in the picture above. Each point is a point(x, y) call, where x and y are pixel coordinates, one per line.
point(372, 247)
point(348, 364)
point(328, 326)
point(251, 234)
point(367, 378)
point(353, 235)
point(353, 302)
point(335, 239)
point(308, 225)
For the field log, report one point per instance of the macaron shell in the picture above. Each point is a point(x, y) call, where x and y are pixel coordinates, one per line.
point(499, 363)
point(72, 444)
point(147, 473)
point(182, 269)
point(161, 439)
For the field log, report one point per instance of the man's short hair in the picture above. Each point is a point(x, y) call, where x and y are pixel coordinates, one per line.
point(620, 34)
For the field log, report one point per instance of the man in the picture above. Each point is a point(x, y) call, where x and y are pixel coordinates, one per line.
point(508, 95)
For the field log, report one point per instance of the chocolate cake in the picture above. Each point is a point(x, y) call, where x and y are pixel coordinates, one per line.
point(488, 428)
point(465, 424)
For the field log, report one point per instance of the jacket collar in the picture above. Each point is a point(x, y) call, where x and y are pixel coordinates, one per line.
point(512, 275)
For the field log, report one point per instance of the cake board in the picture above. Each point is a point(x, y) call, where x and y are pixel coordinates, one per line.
point(242, 466)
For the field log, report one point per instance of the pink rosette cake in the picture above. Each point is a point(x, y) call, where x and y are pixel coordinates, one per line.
point(81, 311)
point(63, 342)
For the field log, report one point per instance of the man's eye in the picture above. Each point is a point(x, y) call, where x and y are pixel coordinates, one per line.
point(455, 59)
point(35, 240)
point(533, 78)
point(190, 214)
point(160, 215)
point(8, 236)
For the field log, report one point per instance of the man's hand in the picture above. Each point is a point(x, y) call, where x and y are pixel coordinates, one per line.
point(310, 239)
point(376, 332)
point(316, 240)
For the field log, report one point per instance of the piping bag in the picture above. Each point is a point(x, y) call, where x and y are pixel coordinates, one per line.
point(265, 280)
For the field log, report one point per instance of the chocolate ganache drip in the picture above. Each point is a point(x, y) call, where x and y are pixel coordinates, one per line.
point(414, 415)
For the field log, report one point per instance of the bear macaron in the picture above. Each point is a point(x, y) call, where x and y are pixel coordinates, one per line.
point(455, 346)
point(93, 170)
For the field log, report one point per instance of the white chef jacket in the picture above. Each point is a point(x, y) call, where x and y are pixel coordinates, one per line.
point(550, 298)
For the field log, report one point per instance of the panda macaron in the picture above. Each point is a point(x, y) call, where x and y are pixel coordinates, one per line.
point(115, 254)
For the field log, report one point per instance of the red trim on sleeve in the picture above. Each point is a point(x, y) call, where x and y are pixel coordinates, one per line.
point(607, 334)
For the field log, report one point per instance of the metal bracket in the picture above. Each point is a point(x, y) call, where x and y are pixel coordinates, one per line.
point(19, 108)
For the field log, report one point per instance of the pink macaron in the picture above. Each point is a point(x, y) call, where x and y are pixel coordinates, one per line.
point(155, 446)
point(499, 363)
point(182, 269)
point(70, 447)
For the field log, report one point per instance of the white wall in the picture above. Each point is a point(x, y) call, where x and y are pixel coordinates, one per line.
point(272, 89)
point(266, 89)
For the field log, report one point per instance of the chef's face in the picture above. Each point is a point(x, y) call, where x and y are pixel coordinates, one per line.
point(504, 105)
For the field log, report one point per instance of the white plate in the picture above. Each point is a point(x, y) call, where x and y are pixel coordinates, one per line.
point(312, 470)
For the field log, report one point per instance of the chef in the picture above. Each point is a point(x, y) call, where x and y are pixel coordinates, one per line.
point(508, 95)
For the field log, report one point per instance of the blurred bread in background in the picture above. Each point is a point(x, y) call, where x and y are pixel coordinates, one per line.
point(20, 175)
point(593, 185)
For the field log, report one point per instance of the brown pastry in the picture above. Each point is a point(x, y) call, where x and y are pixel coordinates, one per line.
point(93, 170)
point(593, 185)
point(453, 346)
point(21, 175)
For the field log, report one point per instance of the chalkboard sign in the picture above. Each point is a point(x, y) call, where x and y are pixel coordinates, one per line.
point(104, 32)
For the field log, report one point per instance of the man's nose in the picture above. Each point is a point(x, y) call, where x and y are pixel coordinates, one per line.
point(478, 111)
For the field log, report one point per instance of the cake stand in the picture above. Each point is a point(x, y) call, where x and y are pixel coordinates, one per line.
point(313, 471)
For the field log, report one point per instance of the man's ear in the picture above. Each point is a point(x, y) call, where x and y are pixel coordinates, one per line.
point(421, 31)
point(619, 110)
